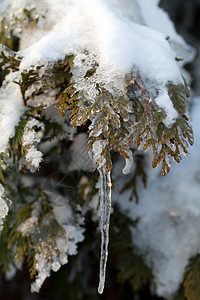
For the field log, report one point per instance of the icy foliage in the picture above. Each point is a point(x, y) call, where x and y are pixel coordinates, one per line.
point(30, 139)
point(3, 206)
point(109, 48)
point(164, 101)
point(33, 158)
point(11, 109)
point(30, 136)
point(52, 256)
point(168, 233)
point(96, 153)
point(65, 244)
point(28, 226)
point(129, 163)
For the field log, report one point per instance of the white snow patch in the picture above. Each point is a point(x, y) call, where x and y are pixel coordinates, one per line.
point(28, 225)
point(110, 32)
point(3, 207)
point(33, 157)
point(11, 108)
point(164, 102)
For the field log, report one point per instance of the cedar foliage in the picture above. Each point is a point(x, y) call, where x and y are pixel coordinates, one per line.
point(144, 125)
point(191, 282)
point(130, 266)
point(107, 113)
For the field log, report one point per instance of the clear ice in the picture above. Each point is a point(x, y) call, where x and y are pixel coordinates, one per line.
point(105, 221)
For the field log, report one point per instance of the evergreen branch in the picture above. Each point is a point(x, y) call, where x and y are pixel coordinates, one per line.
point(149, 130)
point(180, 295)
point(178, 94)
point(16, 143)
point(3, 165)
point(191, 282)
point(52, 129)
point(28, 78)
point(9, 62)
point(130, 266)
point(29, 17)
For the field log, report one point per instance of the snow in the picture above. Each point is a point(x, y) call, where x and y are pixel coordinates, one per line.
point(3, 206)
point(117, 42)
point(28, 226)
point(150, 13)
point(168, 233)
point(164, 102)
point(31, 138)
point(11, 109)
point(33, 157)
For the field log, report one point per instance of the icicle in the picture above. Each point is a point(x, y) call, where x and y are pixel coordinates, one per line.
point(105, 221)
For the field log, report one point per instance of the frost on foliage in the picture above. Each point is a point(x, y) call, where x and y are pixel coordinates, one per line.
point(65, 243)
point(30, 138)
point(33, 158)
point(3, 206)
point(52, 247)
point(167, 232)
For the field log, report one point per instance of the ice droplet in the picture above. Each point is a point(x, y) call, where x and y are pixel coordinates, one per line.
point(105, 221)
point(129, 163)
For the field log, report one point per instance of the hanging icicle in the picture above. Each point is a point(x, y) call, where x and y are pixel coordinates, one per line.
point(105, 205)
point(105, 221)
